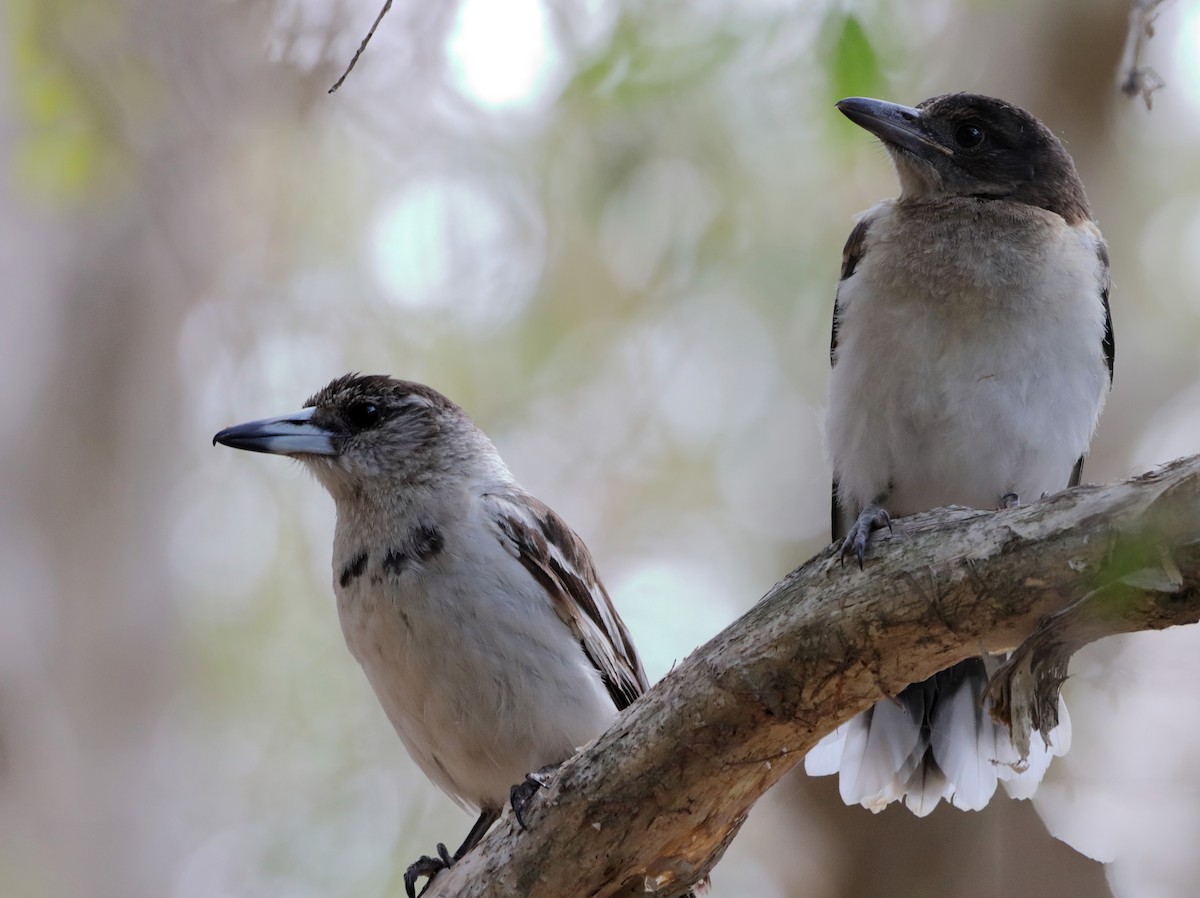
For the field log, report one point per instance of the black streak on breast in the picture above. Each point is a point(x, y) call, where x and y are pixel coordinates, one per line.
point(353, 570)
point(421, 544)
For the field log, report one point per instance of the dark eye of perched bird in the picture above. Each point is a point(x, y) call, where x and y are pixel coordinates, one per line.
point(362, 415)
point(968, 137)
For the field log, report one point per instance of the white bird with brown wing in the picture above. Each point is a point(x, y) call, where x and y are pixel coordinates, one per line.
point(475, 611)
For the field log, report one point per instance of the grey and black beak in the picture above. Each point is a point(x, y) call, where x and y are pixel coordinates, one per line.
point(293, 434)
point(896, 125)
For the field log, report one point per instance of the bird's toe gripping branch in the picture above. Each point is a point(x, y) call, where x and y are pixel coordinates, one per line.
point(522, 793)
point(873, 517)
point(428, 867)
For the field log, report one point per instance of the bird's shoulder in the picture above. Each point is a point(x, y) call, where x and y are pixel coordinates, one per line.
point(852, 253)
point(560, 562)
point(856, 245)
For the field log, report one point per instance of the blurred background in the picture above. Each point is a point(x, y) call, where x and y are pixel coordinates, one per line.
point(611, 230)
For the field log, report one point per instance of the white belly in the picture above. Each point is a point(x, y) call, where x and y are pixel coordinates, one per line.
point(481, 686)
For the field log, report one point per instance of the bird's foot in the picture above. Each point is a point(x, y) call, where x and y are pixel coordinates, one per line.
point(871, 518)
point(1009, 500)
point(426, 866)
point(522, 793)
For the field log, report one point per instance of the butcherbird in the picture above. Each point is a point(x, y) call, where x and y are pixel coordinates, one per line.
point(475, 611)
point(972, 353)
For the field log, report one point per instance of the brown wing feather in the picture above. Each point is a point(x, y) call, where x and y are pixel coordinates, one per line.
point(557, 558)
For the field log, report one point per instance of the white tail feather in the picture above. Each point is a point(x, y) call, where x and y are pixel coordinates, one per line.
point(924, 789)
point(825, 758)
point(882, 755)
point(880, 750)
point(963, 740)
point(1022, 779)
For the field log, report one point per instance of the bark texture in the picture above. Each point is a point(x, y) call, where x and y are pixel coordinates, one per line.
point(651, 805)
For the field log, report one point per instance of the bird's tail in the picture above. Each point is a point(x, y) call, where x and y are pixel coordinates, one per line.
point(935, 740)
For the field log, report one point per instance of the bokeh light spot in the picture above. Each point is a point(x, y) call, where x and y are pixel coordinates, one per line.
point(465, 247)
point(503, 55)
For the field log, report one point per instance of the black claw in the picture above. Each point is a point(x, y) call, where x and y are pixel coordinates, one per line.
point(425, 866)
point(429, 867)
point(520, 795)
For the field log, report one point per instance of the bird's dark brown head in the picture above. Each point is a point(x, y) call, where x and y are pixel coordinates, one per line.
point(972, 145)
point(354, 405)
point(372, 433)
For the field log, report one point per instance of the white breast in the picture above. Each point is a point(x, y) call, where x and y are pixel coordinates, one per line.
point(481, 679)
point(970, 372)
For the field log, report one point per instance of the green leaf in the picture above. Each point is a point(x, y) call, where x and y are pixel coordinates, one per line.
point(853, 63)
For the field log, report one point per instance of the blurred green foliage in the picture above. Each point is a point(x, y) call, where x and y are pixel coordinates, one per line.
point(635, 66)
point(852, 61)
point(59, 151)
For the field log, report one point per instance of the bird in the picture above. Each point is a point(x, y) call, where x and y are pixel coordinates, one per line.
point(972, 352)
point(475, 612)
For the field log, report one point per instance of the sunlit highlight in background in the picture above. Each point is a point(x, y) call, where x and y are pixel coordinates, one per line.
point(503, 55)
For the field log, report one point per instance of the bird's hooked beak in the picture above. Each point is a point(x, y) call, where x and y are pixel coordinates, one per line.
point(896, 125)
point(291, 434)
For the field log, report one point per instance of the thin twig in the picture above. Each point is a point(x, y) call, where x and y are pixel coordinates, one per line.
point(366, 40)
point(1140, 80)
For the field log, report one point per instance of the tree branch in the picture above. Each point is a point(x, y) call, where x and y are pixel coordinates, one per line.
point(652, 804)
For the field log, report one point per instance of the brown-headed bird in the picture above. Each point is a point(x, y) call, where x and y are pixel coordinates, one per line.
point(475, 611)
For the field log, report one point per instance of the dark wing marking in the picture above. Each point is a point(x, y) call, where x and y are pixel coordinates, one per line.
point(561, 563)
point(833, 338)
point(353, 570)
point(852, 252)
point(1076, 473)
point(1109, 344)
point(419, 545)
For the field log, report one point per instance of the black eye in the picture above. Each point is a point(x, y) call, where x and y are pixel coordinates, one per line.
point(968, 137)
point(362, 415)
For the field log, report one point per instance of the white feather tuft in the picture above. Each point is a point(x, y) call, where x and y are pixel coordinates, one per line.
point(881, 751)
point(825, 758)
point(964, 740)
